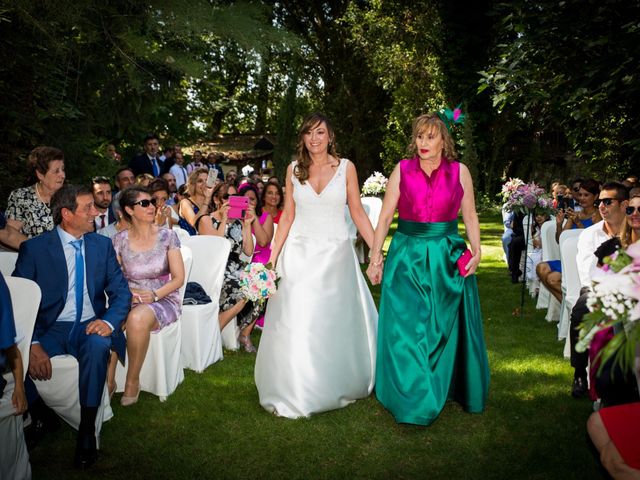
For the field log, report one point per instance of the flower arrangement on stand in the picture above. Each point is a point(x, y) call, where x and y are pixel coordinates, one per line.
point(527, 199)
point(258, 282)
point(614, 301)
point(375, 185)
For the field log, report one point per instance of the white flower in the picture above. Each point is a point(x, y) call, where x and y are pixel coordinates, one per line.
point(374, 185)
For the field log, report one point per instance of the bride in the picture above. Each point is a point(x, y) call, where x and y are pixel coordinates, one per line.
point(317, 350)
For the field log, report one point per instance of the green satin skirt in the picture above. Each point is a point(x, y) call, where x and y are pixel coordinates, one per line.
point(430, 338)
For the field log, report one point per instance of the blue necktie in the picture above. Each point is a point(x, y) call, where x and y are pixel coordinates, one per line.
point(77, 244)
point(156, 170)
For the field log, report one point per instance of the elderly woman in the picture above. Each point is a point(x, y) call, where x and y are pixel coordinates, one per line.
point(198, 201)
point(28, 208)
point(430, 337)
point(273, 200)
point(152, 263)
point(232, 301)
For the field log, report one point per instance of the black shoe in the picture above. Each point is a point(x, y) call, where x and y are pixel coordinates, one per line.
point(579, 389)
point(86, 451)
point(43, 421)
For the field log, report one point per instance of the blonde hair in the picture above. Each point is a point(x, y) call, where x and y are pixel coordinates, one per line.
point(193, 178)
point(301, 170)
point(431, 121)
point(627, 234)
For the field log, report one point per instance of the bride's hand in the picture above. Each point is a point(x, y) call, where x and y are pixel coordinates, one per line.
point(374, 272)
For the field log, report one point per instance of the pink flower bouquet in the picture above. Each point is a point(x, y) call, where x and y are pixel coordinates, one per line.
point(258, 282)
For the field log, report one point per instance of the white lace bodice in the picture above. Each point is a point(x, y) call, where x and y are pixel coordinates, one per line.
point(321, 215)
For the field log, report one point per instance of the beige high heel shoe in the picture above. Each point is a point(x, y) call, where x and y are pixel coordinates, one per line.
point(127, 401)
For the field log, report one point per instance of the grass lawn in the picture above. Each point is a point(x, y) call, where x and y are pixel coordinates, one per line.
point(213, 426)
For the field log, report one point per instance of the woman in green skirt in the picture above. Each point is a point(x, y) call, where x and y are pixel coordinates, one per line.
point(430, 338)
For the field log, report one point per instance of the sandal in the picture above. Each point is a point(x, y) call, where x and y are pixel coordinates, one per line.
point(245, 341)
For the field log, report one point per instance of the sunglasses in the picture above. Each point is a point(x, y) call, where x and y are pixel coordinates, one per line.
point(145, 202)
point(100, 179)
point(606, 201)
point(632, 210)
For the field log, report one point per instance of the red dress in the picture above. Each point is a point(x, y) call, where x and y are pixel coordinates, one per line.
point(623, 426)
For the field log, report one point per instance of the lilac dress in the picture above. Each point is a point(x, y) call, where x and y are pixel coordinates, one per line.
point(149, 270)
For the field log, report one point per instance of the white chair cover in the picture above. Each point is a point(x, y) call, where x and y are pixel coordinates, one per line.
point(570, 278)
point(201, 338)
point(161, 371)
point(550, 251)
point(14, 459)
point(8, 262)
point(183, 235)
point(375, 207)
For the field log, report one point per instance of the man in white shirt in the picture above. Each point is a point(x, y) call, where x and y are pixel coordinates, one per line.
point(612, 202)
point(179, 171)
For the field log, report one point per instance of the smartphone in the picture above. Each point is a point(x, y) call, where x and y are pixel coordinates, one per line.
point(562, 204)
point(211, 178)
point(238, 205)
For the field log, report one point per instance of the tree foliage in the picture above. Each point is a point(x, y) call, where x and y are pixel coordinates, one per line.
point(573, 66)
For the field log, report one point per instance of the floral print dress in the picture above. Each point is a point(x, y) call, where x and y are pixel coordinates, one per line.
point(231, 293)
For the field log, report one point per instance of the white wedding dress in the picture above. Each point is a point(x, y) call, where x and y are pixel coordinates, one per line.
point(318, 346)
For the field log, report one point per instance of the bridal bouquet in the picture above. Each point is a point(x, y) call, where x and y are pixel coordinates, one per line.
point(615, 300)
point(528, 198)
point(258, 282)
point(376, 184)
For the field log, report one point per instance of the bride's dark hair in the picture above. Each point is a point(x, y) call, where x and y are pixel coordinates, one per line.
point(301, 170)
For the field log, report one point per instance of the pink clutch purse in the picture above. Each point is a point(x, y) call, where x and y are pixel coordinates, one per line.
point(463, 261)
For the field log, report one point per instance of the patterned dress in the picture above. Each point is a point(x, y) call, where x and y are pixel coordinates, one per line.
point(25, 206)
point(149, 270)
point(231, 293)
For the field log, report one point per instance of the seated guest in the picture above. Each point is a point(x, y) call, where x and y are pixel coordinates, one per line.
point(165, 215)
point(124, 178)
point(152, 263)
point(262, 227)
point(101, 188)
point(213, 162)
point(112, 153)
point(120, 224)
point(614, 433)
point(631, 225)
point(75, 270)
point(612, 202)
point(273, 201)
point(144, 179)
point(14, 459)
point(232, 301)
point(273, 179)
point(28, 208)
point(196, 162)
point(173, 189)
point(198, 201)
point(178, 171)
point(232, 178)
point(550, 272)
point(9, 236)
point(260, 187)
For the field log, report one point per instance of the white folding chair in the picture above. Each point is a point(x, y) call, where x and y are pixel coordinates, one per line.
point(201, 337)
point(8, 262)
point(14, 459)
point(570, 278)
point(550, 251)
point(161, 371)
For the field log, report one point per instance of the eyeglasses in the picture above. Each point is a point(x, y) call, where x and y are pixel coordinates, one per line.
point(606, 201)
point(100, 179)
point(144, 203)
point(632, 210)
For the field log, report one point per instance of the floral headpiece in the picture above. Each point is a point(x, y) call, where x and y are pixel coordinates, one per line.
point(451, 117)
